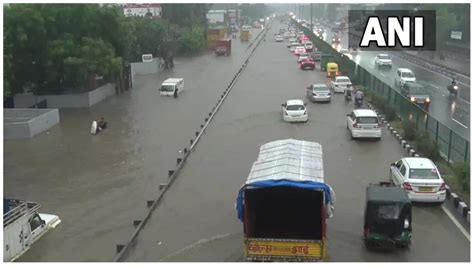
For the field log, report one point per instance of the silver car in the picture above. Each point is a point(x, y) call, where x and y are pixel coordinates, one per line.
point(319, 93)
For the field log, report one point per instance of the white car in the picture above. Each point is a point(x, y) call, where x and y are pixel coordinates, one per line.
point(308, 46)
point(278, 38)
point(286, 35)
point(340, 84)
point(383, 60)
point(293, 46)
point(420, 178)
point(300, 50)
point(364, 123)
point(294, 111)
point(403, 76)
point(302, 57)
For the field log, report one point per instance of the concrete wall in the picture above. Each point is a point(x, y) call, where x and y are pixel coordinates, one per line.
point(36, 122)
point(140, 68)
point(79, 100)
point(101, 93)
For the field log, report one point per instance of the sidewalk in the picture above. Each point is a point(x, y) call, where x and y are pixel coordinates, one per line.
point(459, 63)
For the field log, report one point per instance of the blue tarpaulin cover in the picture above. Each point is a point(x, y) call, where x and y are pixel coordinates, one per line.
point(281, 183)
point(290, 163)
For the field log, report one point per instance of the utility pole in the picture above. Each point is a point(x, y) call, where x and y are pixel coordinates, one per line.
point(311, 6)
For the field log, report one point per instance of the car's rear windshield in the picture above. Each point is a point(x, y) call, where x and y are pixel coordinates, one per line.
point(343, 80)
point(295, 107)
point(367, 120)
point(423, 174)
point(407, 75)
point(384, 56)
point(320, 88)
point(167, 88)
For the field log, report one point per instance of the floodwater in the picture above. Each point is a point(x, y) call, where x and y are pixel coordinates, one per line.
point(99, 184)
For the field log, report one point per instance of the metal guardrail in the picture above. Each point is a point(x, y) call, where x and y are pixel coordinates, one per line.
point(122, 250)
point(452, 146)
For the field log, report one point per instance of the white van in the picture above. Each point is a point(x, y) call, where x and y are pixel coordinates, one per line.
point(169, 86)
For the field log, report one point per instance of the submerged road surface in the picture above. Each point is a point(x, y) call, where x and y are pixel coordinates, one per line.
point(99, 184)
point(196, 220)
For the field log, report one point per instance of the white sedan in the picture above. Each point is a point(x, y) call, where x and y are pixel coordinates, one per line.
point(302, 57)
point(340, 84)
point(294, 111)
point(420, 178)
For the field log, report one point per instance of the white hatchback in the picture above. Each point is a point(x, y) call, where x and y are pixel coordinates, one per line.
point(364, 123)
point(294, 111)
point(420, 178)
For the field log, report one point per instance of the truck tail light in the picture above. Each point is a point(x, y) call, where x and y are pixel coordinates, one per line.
point(407, 186)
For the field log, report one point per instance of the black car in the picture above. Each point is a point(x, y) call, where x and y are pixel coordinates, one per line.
point(416, 93)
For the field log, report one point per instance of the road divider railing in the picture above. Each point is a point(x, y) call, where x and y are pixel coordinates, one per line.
point(452, 146)
point(123, 249)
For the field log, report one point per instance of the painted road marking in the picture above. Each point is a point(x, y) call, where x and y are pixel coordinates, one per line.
point(431, 84)
point(459, 122)
point(464, 101)
point(458, 225)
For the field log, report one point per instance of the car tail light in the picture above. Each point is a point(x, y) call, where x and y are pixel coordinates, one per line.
point(442, 187)
point(407, 186)
point(337, 73)
point(356, 125)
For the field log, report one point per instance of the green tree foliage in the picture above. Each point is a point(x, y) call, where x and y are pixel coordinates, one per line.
point(49, 47)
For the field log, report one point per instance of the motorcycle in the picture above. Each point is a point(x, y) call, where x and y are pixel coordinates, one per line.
point(348, 95)
point(358, 103)
point(453, 89)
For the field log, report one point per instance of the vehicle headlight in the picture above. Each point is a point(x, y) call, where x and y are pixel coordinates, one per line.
point(406, 224)
point(428, 100)
point(412, 99)
point(455, 87)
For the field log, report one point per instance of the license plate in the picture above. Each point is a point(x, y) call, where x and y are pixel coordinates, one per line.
point(425, 189)
point(284, 248)
point(367, 127)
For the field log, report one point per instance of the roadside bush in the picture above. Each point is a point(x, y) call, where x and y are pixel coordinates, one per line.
point(390, 113)
point(409, 130)
point(463, 174)
point(427, 146)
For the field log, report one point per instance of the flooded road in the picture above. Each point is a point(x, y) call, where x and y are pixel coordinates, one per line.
point(99, 184)
point(196, 220)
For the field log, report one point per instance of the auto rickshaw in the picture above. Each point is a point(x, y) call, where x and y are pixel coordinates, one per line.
point(387, 216)
point(332, 69)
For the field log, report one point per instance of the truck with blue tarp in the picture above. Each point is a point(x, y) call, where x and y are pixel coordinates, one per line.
point(285, 202)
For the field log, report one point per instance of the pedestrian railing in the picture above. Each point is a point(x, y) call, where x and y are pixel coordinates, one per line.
point(452, 146)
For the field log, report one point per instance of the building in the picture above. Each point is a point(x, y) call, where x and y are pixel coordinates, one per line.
point(142, 10)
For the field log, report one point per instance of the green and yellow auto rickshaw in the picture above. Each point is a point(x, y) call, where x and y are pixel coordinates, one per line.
point(332, 69)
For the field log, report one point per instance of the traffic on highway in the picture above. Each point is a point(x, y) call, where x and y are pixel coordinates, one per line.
point(263, 147)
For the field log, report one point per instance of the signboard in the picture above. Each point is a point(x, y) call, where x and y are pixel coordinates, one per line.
point(456, 35)
point(146, 58)
point(268, 248)
point(142, 10)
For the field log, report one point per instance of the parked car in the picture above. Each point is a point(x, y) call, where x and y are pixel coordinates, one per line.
point(307, 63)
point(403, 76)
point(341, 83)
point(278, 38)
point(319, 93)
point(300, 50)
point(364, 123)
point(420, 178)
point(383, 60)
point(294, 111)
